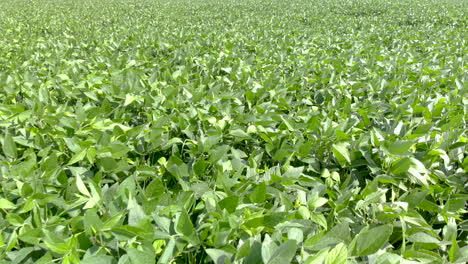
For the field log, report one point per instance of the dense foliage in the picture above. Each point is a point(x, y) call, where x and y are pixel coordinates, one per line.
point(247, 131)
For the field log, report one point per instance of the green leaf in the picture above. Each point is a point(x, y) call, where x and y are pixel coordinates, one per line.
point(369, 241)
point(338, 255)
point(107, 164)
point(55, 244)
point(255, 255)
point(319, 257)
point(45, 259)
point(388, 258)
point(423, 255)
point(141, 257)
point(259, 193)
point(168, 253)
point(339, 233)
point(112, 222)
point(92, 222)
point(184, 224)
point(285, 253)
point(422, 237)
point(400, 166)
point(179, 169)
point(414, 199)
point(9, 146)
point(21, 255)
point(293, 173)
point(317, 202)
point(81, 186)
point(219, 256)
point(268, 248)
point(77, 157)
point(296, 234)
point(239, 134)
point(102, 259)
point(229, 203)
point(399, 147)
point(5, 204)
point(154, 189)
point(129, 98)
point(341, 153)
point(135, 212)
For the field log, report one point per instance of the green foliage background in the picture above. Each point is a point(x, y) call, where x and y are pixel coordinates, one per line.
point(267, 131)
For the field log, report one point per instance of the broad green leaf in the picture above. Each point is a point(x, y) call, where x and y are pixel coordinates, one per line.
point(81, 186)
point(388, 258)
point(239, 134)
point(339, 233)
point(293, 173)
point(229, 203)
point(168, 253)
point(285, 253)
point(399, 147)
point(112, 222)
point(154, 189)
point(255, 255)
point(414, 199)
point(259, 193)
point(338, 255)
point(423, 255)
point(319, 257)
point(422, 237)
point(179, 169)
point(341, 153)
point(129, 98)
point(141, 257)
point(102, 259)
point(57, 247)
point(21, 255)
point(135, 212)
point(218, 255)
point(296, 234)
point(400, 166)
point(369, 241)
point(77, 157)
point(184, 224)
point(46, 258)
point(5, 204)
point(317, 202)
point(268, 248)
point(9, 146)
point(92, 222)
